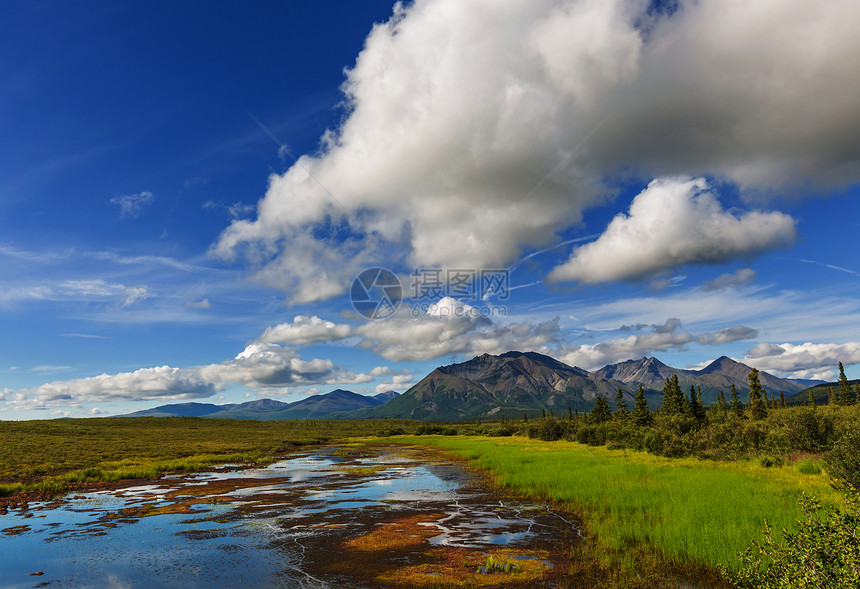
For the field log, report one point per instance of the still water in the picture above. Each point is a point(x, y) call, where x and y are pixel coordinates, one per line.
point(334, 517)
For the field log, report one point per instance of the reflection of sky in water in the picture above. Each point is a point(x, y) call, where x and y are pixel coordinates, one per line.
point(88, 542)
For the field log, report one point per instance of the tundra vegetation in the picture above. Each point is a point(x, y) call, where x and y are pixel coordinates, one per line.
point(744, 493)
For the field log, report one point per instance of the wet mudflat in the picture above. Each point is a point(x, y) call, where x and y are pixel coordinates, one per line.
point(333, 517)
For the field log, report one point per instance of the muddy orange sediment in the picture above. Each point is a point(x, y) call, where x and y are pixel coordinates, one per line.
point(379, 556)
point(11, 531)
point(398, 534)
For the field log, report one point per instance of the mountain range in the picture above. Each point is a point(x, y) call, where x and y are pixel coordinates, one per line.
point(268, 409)
point(508, 385)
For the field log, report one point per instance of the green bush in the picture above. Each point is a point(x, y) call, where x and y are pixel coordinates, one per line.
point(824, 552)
point(843, 460)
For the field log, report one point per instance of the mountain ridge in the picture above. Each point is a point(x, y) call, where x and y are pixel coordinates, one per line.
point(504, 385)
point(314, 406)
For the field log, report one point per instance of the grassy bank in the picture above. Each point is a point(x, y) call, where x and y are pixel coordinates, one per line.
point(646, 513)
point(54, 455)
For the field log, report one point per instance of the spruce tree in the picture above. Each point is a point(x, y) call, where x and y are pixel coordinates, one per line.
point(622, 411)
point(721, 403)
point(781, 400)
point(737, 407)
point(831, 396)
point(757, 396)
point(641, 415)
point(697, 412)
point(569, 413)
point(673, 398)
point(857, 392)
point(845, 396)
point(810, 399)
point(601, 412)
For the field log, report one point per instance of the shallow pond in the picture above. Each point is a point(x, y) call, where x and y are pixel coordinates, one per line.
point(333, 517)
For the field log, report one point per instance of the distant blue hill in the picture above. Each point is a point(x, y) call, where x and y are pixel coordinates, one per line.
point(181, 410)
point(316, 406)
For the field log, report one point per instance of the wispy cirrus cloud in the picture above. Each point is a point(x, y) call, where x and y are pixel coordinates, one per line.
point(727, 335)
point(130, 205)
point(740, 277)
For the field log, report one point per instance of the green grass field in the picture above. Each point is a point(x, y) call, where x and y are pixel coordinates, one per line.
point(646, 511)
point(648, 519)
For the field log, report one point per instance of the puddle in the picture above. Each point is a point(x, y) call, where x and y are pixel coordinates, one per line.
point(324, 518)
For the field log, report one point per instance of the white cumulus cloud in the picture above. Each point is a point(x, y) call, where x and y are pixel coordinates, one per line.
point(673, 222)
point(476, 129)
point(306, 330)
point(806, 360)
point(260, 366)
point(661, 337)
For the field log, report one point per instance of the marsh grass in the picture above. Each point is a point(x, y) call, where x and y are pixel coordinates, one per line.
point(645, 511)
point(53, 456)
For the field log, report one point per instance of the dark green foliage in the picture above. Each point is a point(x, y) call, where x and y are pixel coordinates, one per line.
point(736, 406)
point(673, 399)
point(823, 552)
point(722, 405)
point(550, 430)
point(697, 411)
point(757, 396)
point(591, 435)
point(831, 396)
point(843, 460)
point(811, 400)
point(641, 415)
point(781, 399)
point(809, 430)
point(621, 411)
point(601, 412)
point(432, 429)
point(845, 396)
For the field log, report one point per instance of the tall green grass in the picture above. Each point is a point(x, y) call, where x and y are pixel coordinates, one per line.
point(681, 510)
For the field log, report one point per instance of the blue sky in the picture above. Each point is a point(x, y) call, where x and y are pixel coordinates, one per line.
point(187, 191)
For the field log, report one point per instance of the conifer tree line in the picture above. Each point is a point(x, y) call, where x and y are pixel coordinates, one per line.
point(677, 403)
